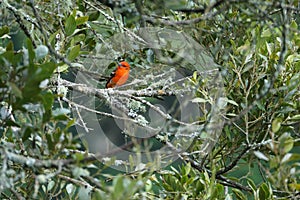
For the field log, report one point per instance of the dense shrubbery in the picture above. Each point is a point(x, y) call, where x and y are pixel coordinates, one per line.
point(43, 44)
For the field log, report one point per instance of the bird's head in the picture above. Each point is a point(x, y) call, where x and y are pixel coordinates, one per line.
point(124, 65)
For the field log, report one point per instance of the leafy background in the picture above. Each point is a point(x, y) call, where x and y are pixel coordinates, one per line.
point(255, 43)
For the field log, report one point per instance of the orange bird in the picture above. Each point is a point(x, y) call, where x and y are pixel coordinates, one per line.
point(119, 76)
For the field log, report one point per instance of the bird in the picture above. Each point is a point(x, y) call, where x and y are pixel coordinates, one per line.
point(119, 76)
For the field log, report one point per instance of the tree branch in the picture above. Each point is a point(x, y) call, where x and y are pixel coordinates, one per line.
point(234, 163)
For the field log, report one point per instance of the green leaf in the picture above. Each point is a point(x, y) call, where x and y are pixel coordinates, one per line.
point(4, 30)
point(10, 46)
point(50, 185)
point(266, 33)
point(78, 156)
point(131, 162)
point(232, 102)
point(269, 48)
point(294, 25)
point(31, 55)
point(62, 68)
point(148, 185)
point(94, 16)
point(289, 157)
point(260, 155)
point(118, 187)
point(47, 116)
point(74, 52)
point(9, 122)
point(187, 169)
point(48, 100)
point(8, 56)
point(45, 71)
point(57, 136)
point(286, 158)
point(26, 134)
point(50, 143)
point(81, 20)
point(69, 124)
point(251, 184)
point(260, 105)
point(276, 124)
point(173, 5)
point(199, 100)
point(274, 162)
point(78, 38)
point(295, 186)
point(37, 75)
point(286, 143)
point(222, 102)
point(239, 195)
point(70, 25)
point(263, 191)
point(15, 90)
point(295, 118)
point(13, 58)
point(244, 48)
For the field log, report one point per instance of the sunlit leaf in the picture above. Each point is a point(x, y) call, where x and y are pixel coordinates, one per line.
point(239, 195)
point(260, 155)
point(276, 124)
point(4, 30)
point(74, 52)
point(70, 25)
point(81, 20)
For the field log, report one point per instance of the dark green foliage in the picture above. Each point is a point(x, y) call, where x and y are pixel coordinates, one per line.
point(255, 44)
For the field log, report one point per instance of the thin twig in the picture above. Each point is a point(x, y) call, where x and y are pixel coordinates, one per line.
point(108, 114)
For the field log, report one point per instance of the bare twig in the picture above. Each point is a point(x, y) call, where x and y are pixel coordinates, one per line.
point(76, 182)
point(233, 163)
point(221, 178)
point(20, 22)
